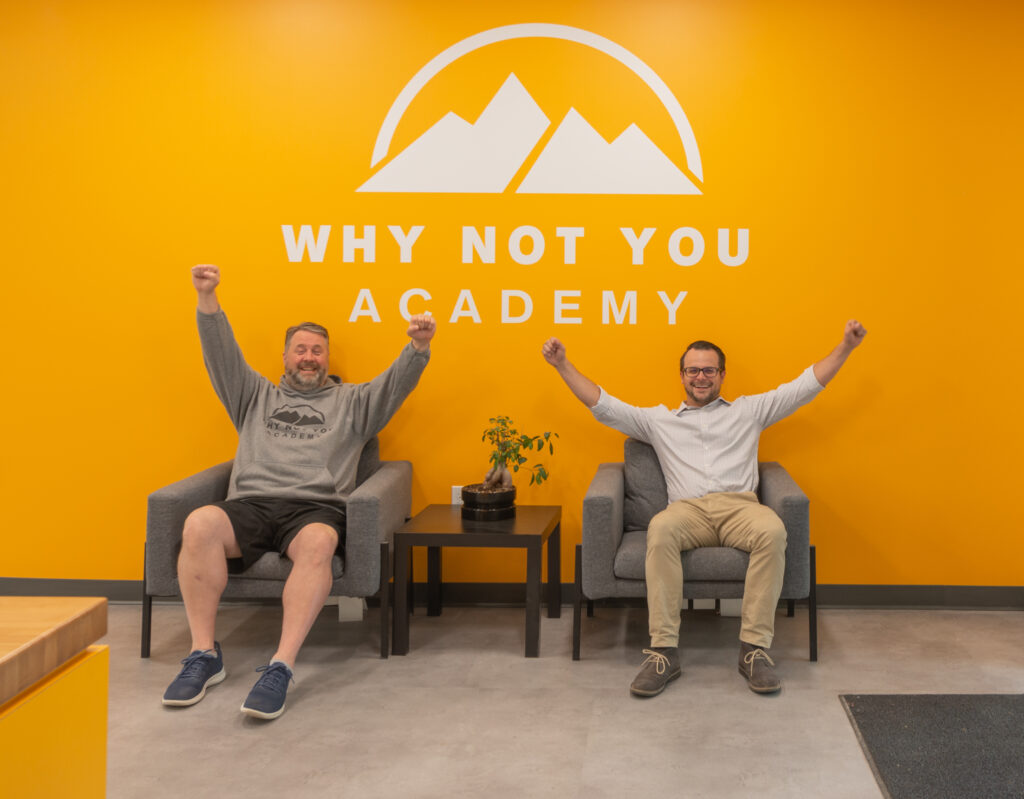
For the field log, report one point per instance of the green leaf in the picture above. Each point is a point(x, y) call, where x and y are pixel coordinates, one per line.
point(508, 444)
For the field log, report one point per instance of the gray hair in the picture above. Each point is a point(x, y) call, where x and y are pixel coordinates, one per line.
point(309, 327)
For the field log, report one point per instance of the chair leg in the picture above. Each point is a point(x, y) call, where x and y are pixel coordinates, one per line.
point(385, 596)
point(147, 612)
point(147, 622)
point(812, 610)
point(577, 603)
point(791, 607)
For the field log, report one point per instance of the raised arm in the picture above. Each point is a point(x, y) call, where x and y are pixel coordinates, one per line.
point(585, 389)
point(374, 403)
point(827, 367)
point(205, 278)
point(234, 381)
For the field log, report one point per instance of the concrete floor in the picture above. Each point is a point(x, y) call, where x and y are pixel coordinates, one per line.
point(466, 715)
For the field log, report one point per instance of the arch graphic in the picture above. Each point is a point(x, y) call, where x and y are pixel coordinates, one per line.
point(546, 31)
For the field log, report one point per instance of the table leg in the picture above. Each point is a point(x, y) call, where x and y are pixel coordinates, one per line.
point(434, 581)
point(386, 573)
point(533, 556)
point(400, 615)
point(555, 573)
point(410, 583)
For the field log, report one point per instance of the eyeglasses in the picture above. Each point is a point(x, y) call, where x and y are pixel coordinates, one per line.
point(709, 371)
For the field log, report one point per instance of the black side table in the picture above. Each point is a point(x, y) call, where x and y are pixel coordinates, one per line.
point(439, 526)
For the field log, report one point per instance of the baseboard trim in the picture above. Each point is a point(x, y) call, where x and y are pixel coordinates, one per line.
point(513, 594)
point(113, 590)
point(987, 597)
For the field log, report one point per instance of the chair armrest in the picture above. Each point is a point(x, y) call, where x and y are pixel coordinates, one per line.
point(377, 508)
point(780, 492)
point(168, 507)
point(602, 529)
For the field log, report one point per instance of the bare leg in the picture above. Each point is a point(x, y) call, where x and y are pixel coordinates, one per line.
point(307, 587)
point(207, 541)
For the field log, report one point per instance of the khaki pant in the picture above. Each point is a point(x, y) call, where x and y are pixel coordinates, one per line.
point(725, 519)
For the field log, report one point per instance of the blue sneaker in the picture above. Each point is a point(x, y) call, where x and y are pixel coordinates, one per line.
point(266, 699)
point(200, 670)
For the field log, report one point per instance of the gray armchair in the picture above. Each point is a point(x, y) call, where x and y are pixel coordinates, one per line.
point(379, 505)
point(617, 509)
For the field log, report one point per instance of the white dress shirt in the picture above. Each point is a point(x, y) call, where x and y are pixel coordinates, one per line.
point(710, 449)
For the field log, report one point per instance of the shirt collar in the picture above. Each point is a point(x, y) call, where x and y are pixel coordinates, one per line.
point(684, 407)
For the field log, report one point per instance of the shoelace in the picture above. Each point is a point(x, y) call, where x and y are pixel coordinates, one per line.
point(193, 664)
point(659, 660)
point(275, 677)
point(756, 654)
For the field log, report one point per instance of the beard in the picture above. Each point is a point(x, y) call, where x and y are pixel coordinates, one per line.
point(710, 397)
point(305, 381)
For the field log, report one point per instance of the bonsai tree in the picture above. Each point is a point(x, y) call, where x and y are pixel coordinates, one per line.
point(509, 445)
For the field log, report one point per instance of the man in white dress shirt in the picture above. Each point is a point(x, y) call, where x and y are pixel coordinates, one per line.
point(707, 448)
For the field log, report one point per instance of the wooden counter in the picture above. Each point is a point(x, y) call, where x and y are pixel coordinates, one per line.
point(39, 634)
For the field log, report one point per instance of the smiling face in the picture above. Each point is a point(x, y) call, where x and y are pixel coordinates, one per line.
point(305, 361)
point(701, 388)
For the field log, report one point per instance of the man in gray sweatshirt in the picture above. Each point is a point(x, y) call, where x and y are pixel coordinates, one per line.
point(299, 443)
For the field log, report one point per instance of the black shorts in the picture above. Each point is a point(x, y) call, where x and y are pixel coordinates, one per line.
point(269, 524)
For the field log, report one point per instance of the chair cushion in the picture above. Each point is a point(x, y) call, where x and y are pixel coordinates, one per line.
point(707, 564)
point(272, 566)
point(630, 556)
point(715, 565)
point(645, 490)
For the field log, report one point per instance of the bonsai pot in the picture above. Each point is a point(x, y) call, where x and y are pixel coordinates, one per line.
point(488, 504)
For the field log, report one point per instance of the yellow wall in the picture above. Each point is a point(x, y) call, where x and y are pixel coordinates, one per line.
point(872, 150)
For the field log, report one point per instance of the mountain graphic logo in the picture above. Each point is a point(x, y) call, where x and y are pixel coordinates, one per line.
point(298, 415)
point(456, 156)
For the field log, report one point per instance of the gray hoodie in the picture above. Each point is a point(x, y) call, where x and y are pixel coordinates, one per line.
point(296, 444)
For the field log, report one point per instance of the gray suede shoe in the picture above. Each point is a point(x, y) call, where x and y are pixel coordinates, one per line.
point(759, 669)
point(660, 668)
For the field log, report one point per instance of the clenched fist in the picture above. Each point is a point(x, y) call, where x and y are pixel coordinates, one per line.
point(205, 277)
point(553, 352)
point(421, 329)
point(854, 333)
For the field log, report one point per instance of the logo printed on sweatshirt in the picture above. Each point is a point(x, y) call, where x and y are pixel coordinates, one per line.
point(298, 415)
point(302, 422)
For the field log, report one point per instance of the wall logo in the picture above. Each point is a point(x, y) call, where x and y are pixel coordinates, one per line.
point(456, 156)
